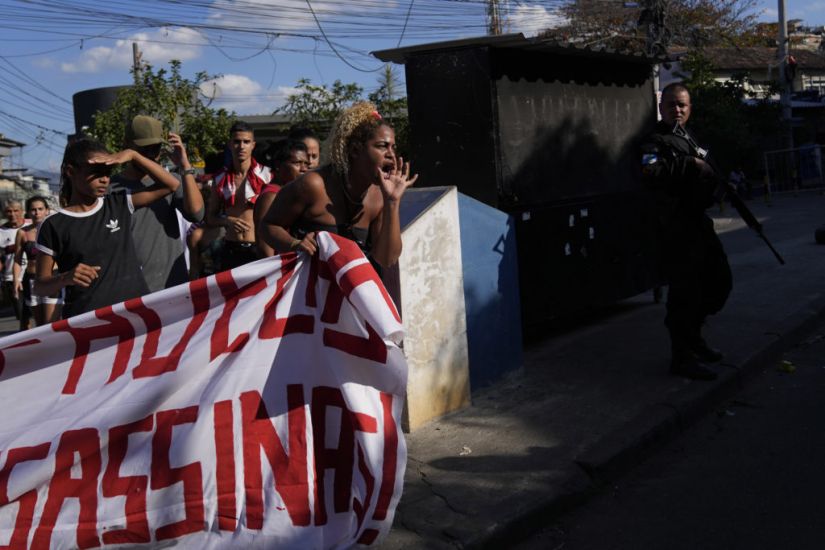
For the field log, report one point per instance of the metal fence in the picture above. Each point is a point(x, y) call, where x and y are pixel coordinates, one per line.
point(792, 170)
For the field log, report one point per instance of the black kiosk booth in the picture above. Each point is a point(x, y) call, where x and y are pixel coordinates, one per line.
point(549, 134)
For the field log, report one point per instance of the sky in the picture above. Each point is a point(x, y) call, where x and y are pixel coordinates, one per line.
point(258, 49)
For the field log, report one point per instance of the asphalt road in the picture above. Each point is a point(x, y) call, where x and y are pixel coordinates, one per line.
point(749, 476)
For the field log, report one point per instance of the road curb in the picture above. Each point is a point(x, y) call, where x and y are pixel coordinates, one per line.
point(617, 452)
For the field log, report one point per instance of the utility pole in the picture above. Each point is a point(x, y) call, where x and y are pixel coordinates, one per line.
point(136, 56)
point(493, 18)
point(784, 80)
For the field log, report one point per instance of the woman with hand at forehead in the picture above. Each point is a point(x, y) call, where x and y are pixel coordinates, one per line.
point(356, 195)
point(89, 239)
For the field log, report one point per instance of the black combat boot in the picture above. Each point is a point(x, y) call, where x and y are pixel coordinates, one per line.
point(700, 349)
point(706, 354)
point(684, 363)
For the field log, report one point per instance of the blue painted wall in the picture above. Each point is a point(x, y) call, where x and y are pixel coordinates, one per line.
point(491, 291)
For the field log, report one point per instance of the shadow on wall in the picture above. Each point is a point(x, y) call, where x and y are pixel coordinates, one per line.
point(491, 291)
point(586, 227)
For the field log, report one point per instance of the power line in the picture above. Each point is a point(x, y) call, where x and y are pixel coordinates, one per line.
point(342, 58)
point(406, 20)
point(58, 132)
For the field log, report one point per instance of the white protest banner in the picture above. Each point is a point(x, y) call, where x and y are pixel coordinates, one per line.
point(256, 408)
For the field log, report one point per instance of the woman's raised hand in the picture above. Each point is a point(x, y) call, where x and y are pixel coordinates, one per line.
point(395, 182)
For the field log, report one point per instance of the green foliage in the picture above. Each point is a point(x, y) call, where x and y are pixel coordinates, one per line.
point(172, 99)
point(317, 106)
point(733, 130)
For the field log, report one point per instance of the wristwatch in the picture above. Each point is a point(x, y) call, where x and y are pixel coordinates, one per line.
point(187, 172)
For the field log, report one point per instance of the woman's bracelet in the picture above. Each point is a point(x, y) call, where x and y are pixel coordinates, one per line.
point(294, 244)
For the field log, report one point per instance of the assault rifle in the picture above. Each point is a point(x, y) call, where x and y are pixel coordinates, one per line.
point(728, 190)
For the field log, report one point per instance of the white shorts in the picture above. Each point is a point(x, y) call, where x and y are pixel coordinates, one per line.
point(33, 299)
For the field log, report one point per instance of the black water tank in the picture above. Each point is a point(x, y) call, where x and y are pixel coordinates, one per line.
point(89, 102)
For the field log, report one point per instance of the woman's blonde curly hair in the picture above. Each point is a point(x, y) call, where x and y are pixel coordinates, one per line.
point(353, 127)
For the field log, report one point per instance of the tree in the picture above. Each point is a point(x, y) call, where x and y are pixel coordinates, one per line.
point(316, 106)
point(172, 99)
point(393, 106)
point(688, 23)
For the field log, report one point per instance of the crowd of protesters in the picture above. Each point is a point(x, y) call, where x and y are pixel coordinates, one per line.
point(158, 223)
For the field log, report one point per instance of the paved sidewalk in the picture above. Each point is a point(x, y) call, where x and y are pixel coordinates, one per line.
point(591, 402)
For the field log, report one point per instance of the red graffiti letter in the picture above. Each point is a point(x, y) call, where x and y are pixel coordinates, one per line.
point(340, 459)
point(20, 535)
point(133, 487)
point(231, 295)
point(85, 442)
point(163, 475)
point(271, 325)
point(290, 471)
point(225, 466)
point(359, 274)
point(115, 327)
point(155, 366)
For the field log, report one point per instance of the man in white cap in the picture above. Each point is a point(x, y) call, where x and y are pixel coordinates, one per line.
point(156, 229)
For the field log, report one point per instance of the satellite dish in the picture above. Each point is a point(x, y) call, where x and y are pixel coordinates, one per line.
point(211, 91)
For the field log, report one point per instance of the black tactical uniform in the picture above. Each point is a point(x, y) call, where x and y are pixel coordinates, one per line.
point(693, 260)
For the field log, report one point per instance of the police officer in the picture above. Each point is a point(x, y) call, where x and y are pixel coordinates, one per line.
point(694, 263)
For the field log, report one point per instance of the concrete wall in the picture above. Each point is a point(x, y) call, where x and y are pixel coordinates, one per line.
point(431, 298)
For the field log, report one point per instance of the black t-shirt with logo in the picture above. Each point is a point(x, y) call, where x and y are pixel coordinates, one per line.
point(99, 237)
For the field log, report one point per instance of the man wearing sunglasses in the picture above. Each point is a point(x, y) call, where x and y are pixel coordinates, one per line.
point(157, 230)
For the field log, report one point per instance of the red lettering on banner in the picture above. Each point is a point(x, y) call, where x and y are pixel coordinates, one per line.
point(357, 275)
point(360, 508)
point(115, 327)
point(388, 471)
point(372, 347)
point(290, 471)
point(334, 299)
point(274, 327)
point(368, 536)
point(163, 475)
point(390, 463)
point(339, 459)
point(133, 487)
point(312, 280)
point(28, 500)
point(85, 442)
point(219, 343)
point(361, 274)
point(18, 345)
point(225, 466)
point(154, 366)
